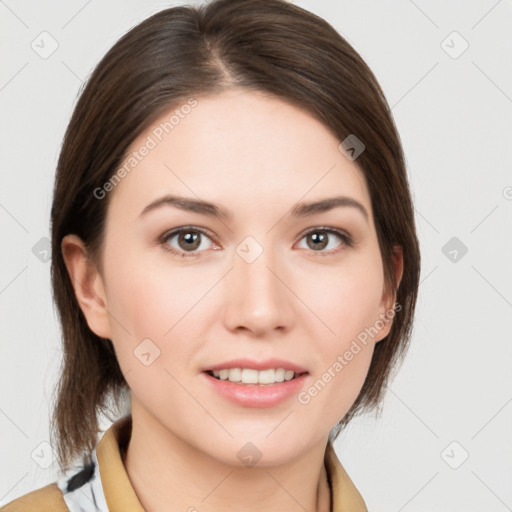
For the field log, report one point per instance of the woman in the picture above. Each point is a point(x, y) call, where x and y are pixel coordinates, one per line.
point(234, 253)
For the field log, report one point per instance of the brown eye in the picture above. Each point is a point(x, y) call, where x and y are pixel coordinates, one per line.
point(189, 241)
point(319, 239)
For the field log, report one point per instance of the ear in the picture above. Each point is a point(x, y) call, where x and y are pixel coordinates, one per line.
point(388, 299)
point(88, 285)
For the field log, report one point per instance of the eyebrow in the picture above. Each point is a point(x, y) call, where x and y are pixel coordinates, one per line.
point(212, 210)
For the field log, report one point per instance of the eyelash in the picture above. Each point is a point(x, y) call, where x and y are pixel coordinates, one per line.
point(345, 238)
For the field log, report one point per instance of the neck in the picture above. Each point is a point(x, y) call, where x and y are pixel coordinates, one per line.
point(168, 473)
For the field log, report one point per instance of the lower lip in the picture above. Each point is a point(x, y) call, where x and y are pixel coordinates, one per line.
point(254, 395)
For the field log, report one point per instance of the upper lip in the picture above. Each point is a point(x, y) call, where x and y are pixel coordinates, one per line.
point(258, 365)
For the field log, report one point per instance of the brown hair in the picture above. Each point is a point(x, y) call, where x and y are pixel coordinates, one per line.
point(263, 45)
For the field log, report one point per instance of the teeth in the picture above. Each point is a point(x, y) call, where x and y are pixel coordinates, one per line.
point(250, 376)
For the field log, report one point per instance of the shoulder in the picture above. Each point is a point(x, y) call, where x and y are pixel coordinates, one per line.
point(45, 499)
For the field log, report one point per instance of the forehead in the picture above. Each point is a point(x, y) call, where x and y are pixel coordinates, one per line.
point(238, 148)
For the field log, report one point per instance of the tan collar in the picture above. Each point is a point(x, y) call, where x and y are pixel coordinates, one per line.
point(120, 495)
point(344, 494)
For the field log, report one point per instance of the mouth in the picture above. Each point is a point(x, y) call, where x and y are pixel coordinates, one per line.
point(247, 387)
point(249, 376)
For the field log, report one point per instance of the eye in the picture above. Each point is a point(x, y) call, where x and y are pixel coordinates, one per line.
point(188, 239)
point(318, 239)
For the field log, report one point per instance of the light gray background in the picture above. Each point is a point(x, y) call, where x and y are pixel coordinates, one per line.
point(452, 397)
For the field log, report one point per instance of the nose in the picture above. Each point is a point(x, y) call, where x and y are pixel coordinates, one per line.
point(257, 296)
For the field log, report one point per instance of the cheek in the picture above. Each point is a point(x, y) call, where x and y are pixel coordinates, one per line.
point(148, 330)
point(349, 303)
point(345, 356)
point(332, 393)
point(150, 300)
point(147, 295)
point(348, 299)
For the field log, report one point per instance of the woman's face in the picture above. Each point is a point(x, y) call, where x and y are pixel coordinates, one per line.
point(261, 282)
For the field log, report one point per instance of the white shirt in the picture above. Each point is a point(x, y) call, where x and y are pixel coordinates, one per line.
point(81, 487)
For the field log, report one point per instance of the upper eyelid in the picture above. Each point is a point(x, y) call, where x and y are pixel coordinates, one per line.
point(173, 232)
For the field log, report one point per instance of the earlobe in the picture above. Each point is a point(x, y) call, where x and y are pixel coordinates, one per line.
point(388, 300)
point(87, 284)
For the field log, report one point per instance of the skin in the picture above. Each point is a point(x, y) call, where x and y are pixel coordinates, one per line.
point(256, 156)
